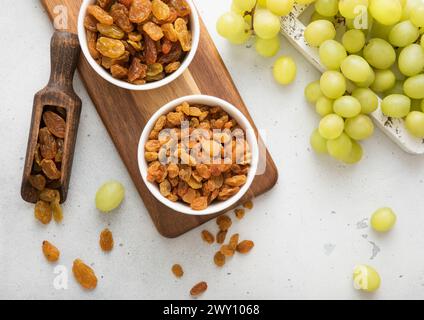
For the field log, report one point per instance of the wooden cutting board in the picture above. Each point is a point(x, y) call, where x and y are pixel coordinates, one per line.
point(124, 113)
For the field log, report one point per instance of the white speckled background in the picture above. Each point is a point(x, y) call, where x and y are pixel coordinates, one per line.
point(309, 230)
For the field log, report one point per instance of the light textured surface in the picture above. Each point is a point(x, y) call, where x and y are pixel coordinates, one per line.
point(309, 230)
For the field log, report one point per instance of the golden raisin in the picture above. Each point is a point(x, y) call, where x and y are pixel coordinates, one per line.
point(50, 251)
point(50, 170)
point(227, 251)
point(153, 31)
point(245, 246)
point(183, 34)
point(177, 270)
point(224, 222)
point(160, 9)
point(239, 213)
point(55, 124)
point(140, 10)
point(220, 237)
point(248, 205)
point(106, 240)
point(84, 275)
point(57, 211)
point(208, 237)
point(101, 15)
point(219, 259)
point(43, 212)
point(37, 181)
point(49, 195)
point(111, 48)
point(198, 289)
point(234, 241)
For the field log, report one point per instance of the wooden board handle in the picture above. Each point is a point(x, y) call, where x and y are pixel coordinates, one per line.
point(64, 53)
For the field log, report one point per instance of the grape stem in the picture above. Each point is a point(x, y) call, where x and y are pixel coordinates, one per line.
point(252, 13)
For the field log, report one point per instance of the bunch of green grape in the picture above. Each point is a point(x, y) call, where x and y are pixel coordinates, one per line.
point(261, 20)
point(380, 52)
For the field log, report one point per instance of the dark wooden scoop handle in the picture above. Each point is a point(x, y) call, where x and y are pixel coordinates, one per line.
point(58, 94)
point(64, 53)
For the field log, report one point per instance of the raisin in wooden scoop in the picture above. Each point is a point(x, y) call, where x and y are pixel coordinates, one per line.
point(55, 118)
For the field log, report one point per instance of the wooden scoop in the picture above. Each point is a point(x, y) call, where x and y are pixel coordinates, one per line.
point(58, 96)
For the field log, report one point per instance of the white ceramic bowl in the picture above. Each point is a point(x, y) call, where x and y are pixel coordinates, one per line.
point(195, 29)
point(216, 206)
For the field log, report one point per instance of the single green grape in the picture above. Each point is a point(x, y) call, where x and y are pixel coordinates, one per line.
point(327, 8)
point(318, 31)
point(331, 126)
point(266, 24)
point(267, 47)
point(331, 54)
point(109, 196)
point(366, 278)
point(356, 68)
point(284, 70)
point(280, 7)
point(359, 127)
point(241, 38)
point(230, 24)
point(246, 5)
point(396, 106)
point(383, 220)
point(353, 40)
point(414, 123)
point(417, 16)
point(386, 12)
point(262, 3)
point(411, 60)
point(414, 87)
point(347, 107)
point(340, 148)
point(404, 33)
point(349, 8)
point(324, 106)
point(333, 84)
point(379, 53)
point(237, 10)
point(384, 80)
point(318, 143)
point(355, 155)
point(313, 92)
point(367, 98)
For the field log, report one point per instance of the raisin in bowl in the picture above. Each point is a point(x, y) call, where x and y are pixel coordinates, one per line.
point(198, 155)
point(139, 44)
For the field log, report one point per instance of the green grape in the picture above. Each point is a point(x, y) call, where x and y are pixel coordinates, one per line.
point(404, 33)
point(340, 148)
point(396, 106)
point(366, 278)
point(414, 87)
point(408, 7)
point(262, 3)
point(367, 98)
point(333, 84)
point(327, 8)
point(316, 16)
point(332, 53)
point(284, 70)
point(318, 31)
point(359, 127)
point(237, 10)
point(368, 82)
point(386, 12)
point(347, 107)
point(353, 40)
point(241, 38)
point(313, 92)
point(318, 143)
point(230, 24)
point(246, 5)
point(380, 31)
point(267, 47)
point(324, 106)
point(417, 16)
point(266, 24)
point(331, 126)
point(384, 80)
point(109, 196)
point(355, 155)
point(379, 53)
point(280, 7)
point(349, 8)
point(411, 60)
point(397, 89)
point(415, 124)
point(383, 220)
point(355, 68)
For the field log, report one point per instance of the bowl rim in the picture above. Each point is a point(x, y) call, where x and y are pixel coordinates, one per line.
point(251, 138)
point(195, 28)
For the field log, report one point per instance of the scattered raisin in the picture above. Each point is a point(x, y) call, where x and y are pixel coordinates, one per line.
point(177, 270)
point(208, 237)
point(219, 259)
point(198, 289)
point(245, 246)
point(106, 240)
point(50, 251)
point(43, 212)
point(84, 275)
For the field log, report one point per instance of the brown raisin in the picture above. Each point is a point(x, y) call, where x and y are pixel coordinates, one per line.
point(177, 270)
point(248, 205)
point(137, 70)
point(239, 213)
point(245, 246)
point(106, 240)
point(55, 124)
point(208, 237)
point(151, 53)
point(219, 259)
point(220, 237)
point(48, 146)
point(198, 289)
point(227, 251)
point(224, 222)
point(120, 14)
point(234, 241)
point(119, 72)
point(38, 181)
